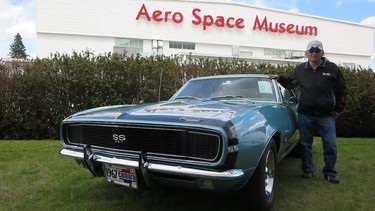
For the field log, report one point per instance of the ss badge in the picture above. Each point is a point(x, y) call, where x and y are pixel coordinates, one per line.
point(119, 138)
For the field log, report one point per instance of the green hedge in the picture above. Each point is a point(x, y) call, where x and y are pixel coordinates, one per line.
point(36, 96)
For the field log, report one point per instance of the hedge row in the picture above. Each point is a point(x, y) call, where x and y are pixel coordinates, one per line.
point(36, 96)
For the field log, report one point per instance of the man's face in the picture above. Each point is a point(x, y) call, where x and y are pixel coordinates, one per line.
point(314, 54)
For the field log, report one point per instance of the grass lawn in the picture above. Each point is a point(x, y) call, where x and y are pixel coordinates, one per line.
point(33, 176)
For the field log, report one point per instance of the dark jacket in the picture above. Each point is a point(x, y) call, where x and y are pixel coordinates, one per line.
point(321, 91)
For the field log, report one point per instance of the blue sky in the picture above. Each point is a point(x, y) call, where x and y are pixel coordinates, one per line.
point(19, 16)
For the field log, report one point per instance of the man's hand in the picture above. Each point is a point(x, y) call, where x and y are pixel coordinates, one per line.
point(273, 76)
point(335, 114)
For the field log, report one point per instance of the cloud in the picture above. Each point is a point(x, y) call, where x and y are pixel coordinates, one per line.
point(15, 19)
point(23, 26)
point(294, 10)
point(339, 3)
point(369, 21)
point(253, 2)
point(10, 12)
point(282, 5)
point(259, 3)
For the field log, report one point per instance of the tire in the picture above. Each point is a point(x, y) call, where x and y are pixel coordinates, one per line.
point(259, 192)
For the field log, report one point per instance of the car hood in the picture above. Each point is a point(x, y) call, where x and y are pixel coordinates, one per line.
point(188, 111)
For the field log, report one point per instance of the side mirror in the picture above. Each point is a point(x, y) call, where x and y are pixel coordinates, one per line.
point(293, 101)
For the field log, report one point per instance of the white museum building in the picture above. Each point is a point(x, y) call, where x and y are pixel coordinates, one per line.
point(196, 28)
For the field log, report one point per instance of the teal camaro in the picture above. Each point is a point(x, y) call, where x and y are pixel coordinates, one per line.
point(220, 133)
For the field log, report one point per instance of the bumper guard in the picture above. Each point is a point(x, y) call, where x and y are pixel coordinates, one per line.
point(143, 165)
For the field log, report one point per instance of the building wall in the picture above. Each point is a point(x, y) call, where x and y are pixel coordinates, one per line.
point(48, 43)
point(69, 25)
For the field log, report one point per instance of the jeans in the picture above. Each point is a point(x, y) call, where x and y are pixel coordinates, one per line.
point(325, 126)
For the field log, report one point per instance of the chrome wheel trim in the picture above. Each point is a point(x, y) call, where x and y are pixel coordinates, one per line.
point(270, 170)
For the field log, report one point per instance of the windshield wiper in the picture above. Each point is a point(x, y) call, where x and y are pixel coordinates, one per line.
point(187, 97)
point(227, 96)
point(238, 97)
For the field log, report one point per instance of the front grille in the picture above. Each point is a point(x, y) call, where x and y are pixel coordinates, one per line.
point(180, 143)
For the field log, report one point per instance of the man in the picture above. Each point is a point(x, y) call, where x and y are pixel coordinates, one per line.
point(322, 99)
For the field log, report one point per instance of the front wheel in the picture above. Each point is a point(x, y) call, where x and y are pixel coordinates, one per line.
point(259, 192)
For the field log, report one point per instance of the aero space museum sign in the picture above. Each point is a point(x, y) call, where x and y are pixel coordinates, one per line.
point(206, 21)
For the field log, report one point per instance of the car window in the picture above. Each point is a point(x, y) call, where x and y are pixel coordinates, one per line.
point(254, 88)
point(284, 93)
point(287, 94)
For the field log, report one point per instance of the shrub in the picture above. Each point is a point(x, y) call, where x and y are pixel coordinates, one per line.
point(36, 96)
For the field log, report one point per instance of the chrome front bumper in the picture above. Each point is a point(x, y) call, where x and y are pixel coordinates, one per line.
point(231, 174)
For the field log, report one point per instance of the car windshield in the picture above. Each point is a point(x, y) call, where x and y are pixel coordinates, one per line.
point(254, 88)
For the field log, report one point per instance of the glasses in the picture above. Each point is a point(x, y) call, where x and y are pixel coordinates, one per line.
point(316, 50)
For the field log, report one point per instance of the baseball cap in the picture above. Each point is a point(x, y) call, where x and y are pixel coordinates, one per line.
point(314, 44)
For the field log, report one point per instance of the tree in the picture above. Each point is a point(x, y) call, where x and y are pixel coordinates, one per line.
point(17, 49)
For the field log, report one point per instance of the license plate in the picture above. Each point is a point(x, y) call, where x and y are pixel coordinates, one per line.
point(120, 175)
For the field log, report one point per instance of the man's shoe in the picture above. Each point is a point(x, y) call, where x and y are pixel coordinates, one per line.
point(307, 175)
point(332, 179)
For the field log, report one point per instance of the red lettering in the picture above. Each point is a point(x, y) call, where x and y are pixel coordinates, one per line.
point(219, 21)
point(230, 22)
point(156, 15)
point(259, 25)
point(198, 18)
point(177, 17)
point(274, 29)
point(239, 23)
point(301, 31)
point(283, 27)
point(166, 15)
point(160, 16)
point(208, 20)
point(290, 28)
point(143, 11)
point(312, 30)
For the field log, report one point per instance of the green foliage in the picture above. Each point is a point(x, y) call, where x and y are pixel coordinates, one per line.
point(17, 49)
point(36, 96)
point(358, 118)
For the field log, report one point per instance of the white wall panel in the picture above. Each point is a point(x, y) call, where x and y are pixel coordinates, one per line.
point(66, 44)
point(102, 20)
